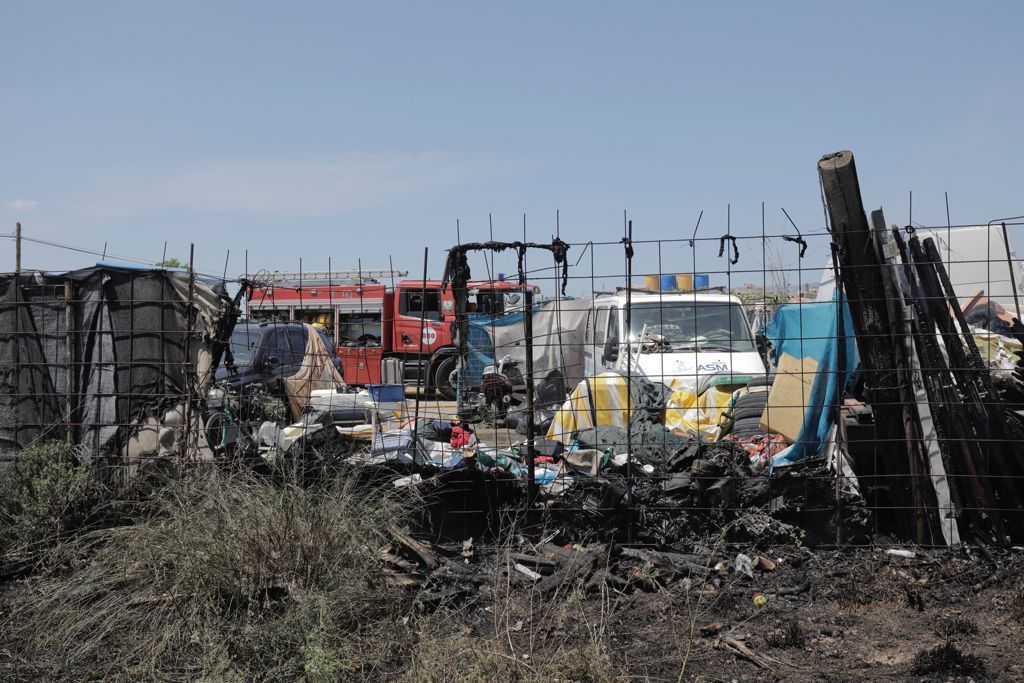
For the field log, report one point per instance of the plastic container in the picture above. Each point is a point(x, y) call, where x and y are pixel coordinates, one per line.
point(702, 281)
point(386, 393)
point(668, 283)
point(651, 282)
point(392, 371)
point(684, 282)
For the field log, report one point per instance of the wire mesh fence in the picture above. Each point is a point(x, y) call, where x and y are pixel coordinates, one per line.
point(854, 383)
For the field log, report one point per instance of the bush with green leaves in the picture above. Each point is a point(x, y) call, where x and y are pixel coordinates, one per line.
point(46, 497)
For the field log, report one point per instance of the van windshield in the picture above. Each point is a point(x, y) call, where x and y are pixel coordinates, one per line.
point(694, 325)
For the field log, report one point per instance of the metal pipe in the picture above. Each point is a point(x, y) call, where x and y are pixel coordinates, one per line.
point(17, 331)
point(190, 325)
point(531, 450)
point(1009, 264)
point(69, 358)
point(629, 370)
point(419, 375)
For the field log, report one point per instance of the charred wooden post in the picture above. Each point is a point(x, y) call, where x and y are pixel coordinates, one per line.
point(945, 406)
point(898, 340)
point(989, 456)
point(861, 277)
point(932, 416)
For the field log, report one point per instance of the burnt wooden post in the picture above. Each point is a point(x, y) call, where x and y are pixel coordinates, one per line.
point(862, 279)
point(900, 345)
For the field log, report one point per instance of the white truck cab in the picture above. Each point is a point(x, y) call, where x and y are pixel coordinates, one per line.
point(697, 337)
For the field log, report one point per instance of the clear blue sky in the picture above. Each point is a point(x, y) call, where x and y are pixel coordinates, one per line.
point(313, 129)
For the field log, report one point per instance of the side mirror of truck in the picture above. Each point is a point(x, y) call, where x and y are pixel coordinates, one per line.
point(611, 350)
point(271, 361)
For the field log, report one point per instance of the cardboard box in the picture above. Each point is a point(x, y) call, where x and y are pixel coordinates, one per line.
point(789, 396)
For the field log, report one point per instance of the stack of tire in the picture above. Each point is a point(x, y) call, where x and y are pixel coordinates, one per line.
point(748, 408)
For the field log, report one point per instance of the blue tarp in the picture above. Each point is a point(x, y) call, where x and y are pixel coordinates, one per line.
point(811, 330)
point(480, 349)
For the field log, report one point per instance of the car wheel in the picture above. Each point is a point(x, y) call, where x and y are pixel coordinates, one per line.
point(444, 376)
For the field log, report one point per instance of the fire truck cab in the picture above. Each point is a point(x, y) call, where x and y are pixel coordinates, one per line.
point(372, 323)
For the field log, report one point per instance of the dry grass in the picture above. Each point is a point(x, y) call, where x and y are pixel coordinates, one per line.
point(232, 577)
point(229, 578)
point(461, 658)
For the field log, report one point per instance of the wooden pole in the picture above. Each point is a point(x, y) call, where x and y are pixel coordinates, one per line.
point(862, 278)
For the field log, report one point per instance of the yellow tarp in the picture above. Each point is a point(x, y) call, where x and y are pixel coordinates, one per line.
point(600, 400)
point(688, 413)
point(604, 400)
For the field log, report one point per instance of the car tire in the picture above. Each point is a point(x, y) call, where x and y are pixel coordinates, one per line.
point(442, 377)
point(749, 426)
point(750, 406)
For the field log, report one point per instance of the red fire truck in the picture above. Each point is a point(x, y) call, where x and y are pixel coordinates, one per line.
point(373, 323)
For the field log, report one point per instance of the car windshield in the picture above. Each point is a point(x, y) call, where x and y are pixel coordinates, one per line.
point(243, 343)
point(694, 325)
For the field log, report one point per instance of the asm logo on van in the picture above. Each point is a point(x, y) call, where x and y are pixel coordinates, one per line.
point(717, 366)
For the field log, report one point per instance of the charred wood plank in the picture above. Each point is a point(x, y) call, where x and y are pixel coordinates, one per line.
point(861, 277)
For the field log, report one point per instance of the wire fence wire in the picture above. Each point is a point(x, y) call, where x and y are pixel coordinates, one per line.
point(646, 389)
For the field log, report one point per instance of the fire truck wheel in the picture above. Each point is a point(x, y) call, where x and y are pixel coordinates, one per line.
point(444, 376)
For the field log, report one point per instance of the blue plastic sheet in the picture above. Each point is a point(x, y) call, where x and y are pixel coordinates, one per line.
point(480, 346)
point(812, 330)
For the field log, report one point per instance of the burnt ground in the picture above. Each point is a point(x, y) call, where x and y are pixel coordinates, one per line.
point(848, 615)
point(681, 612)
point(612, 612)
point(831, 615)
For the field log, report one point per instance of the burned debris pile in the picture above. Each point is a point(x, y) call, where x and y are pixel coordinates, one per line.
point(618, 456)
point(890, 409)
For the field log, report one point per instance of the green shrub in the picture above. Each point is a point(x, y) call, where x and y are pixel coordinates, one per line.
point(45, 498)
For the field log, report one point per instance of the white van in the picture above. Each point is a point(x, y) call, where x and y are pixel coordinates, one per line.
point(695, 336)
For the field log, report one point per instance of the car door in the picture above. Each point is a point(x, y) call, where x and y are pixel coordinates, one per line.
point(419, 319)
point(612, 339)
point(273, 357)
point(595, 349)
point(588, 342)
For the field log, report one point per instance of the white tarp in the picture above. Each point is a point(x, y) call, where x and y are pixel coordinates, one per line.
point(972, 261)
point(558, 328)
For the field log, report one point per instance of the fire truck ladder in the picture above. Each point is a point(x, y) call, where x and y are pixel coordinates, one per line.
point(338, 277)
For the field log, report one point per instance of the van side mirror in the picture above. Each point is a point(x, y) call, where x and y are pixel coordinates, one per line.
point(611, 350)
point(271, 361)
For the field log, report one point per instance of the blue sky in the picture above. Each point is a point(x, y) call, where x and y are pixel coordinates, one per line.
point(364, 131)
